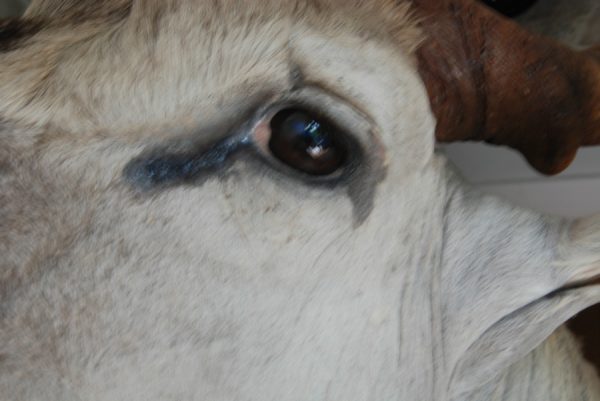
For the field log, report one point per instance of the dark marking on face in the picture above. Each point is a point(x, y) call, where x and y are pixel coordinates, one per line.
point(163, 168)
point(14, 31)
point(362, 192)
point(182, 163)
point(362, 186)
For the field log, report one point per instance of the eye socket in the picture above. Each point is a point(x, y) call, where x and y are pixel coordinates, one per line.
point(306, 142)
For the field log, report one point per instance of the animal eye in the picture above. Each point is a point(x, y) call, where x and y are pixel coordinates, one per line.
point(306, 142)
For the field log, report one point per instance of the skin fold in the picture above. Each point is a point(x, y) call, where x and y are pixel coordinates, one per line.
point(249, 280)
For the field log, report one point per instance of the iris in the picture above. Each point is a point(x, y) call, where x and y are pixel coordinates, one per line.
point(306, 142)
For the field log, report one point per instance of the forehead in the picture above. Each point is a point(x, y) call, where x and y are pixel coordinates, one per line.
point(152, 62)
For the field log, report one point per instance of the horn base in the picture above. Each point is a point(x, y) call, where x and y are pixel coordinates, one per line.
point(491, 80)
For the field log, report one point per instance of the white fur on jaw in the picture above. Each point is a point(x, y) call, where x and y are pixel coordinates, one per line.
point(255, 288)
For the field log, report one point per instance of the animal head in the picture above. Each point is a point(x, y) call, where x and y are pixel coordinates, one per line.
point(242, 200)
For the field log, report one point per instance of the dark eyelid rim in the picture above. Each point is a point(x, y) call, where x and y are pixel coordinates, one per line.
point(159, 169)
point(355, 152)
point(345, 172)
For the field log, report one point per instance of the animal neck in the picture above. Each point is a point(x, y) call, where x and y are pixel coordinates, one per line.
point(555, 370)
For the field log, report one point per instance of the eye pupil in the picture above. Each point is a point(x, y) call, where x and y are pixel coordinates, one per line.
point(305, 142)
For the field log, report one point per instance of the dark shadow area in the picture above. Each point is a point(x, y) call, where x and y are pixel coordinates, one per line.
point(510, 8)
point(586, 327)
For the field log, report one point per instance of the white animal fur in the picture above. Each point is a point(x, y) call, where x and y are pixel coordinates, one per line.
point(253, 285)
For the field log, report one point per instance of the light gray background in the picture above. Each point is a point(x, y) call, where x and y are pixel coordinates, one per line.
point(503, 172)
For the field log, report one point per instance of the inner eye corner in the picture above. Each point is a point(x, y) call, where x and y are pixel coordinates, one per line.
point(303, 139)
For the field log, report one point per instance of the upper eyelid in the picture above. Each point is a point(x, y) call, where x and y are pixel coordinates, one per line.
point(333, 94)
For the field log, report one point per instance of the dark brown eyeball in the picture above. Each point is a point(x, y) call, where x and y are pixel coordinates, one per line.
point(306, 142)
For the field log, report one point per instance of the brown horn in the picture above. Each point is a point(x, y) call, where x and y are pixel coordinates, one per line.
point(490, 80)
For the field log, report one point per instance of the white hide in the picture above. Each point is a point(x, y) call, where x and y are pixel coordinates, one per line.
point(253, 285)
